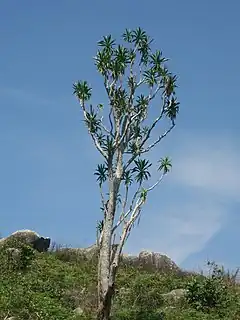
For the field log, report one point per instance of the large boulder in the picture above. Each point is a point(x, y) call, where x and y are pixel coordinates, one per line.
point(157, 261)
point(130, 260)
point(28, 237)
point(89, 253)
point(77, 254)
point(152, 261)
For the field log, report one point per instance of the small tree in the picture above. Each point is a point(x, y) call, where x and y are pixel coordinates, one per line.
point(133, 77)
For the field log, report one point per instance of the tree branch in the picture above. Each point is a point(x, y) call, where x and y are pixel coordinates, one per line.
point(126, 229)
point(158, 139)
point(126, 128)
point(96, 143)
point(147, 135)
point(104, 127)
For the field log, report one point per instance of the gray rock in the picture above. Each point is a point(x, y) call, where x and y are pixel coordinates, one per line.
point(130, 260)
point(14, 254)
point(157, 261)
point(91, 252)
point(152, 261)
point(28, 237)
point(175, 294)
point(71, 254)
point(41, 244)
point(78, 311)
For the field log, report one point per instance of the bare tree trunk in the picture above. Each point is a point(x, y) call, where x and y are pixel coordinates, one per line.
point(105, 285)
point(105, 301)
point(104, 291)
point(106, 275)
point(105, 305)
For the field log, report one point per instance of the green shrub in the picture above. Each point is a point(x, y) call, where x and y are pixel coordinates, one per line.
point(139, 314)
point(208, 293)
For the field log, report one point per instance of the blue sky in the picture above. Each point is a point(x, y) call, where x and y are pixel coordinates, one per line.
point(47, 158)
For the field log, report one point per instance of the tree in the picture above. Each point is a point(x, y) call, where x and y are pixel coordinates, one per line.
point(133, 77)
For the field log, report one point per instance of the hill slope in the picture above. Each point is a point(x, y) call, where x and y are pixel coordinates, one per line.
point(56, 286)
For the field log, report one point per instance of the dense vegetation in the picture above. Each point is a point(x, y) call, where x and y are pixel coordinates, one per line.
point(47, 286)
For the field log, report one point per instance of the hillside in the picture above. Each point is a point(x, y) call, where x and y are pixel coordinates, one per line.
point(61, 284)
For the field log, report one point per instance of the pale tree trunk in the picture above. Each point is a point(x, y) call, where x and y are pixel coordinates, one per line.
point(106, 274)
point(105, 279)
point(105, 292)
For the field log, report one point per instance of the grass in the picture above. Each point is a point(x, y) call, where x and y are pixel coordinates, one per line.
point(50, 286)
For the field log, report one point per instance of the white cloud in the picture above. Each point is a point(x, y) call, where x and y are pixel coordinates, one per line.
point(211, 168)
point(194, 202)
point(177, 230)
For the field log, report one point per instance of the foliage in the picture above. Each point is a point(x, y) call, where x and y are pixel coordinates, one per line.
point(53, 285)
point(43, 290)
point(17, 255)
point(134, 75)
point(211, 292)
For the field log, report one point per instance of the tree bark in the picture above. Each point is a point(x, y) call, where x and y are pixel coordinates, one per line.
point(105, 305)
point(107, 274)
point(105, 283)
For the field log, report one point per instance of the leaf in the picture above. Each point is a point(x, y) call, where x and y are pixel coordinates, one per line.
point(100, 226)
point(100, 106)
point(128, 36)
point(92, 122)
point(170, 85)
point(107, 43)
point(157, 60)
point(151, 77)
point(82, 91)
point(103, 62)
point(138, 36)
point(172, 109)
point(101, 173)
point(127, 177)
point(144, 49)
point(100, 137)
point(141, 170)
point(143, 194)
point(108, 146)
point(165, 165)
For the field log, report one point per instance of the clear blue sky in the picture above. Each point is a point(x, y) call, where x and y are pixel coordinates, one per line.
point(47, 159)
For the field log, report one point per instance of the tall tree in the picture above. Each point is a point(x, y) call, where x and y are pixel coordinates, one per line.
point(133, 77)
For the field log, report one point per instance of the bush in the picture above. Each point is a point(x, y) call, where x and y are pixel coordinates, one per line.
point(139, 314)
point(18, 256)
point(208, 293)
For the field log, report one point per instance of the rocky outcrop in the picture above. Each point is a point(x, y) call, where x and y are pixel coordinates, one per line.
point(152, 261)
point(78, 254)
point(28, 237)
point(147, 260)
point(89, 253)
